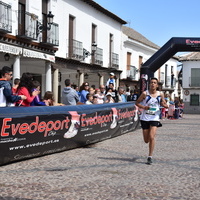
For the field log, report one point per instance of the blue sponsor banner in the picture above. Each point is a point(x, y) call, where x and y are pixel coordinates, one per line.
point(28, 132)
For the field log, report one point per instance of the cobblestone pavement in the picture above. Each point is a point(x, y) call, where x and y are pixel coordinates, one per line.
point(114, 169)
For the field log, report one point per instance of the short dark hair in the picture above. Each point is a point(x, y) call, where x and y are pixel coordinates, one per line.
point(88, 95)
point(5, 70)
point(16, 81)
point(36, 83)
point(67, 82)
point(154, 78)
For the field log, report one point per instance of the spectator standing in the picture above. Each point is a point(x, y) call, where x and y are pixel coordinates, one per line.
point(181, 106)
point(26, 88)
point(176, 112)
point(135, 95)
point(121, 96)
point(6, 96)
point(83, 92)
point(130, 97)
point(69, 95)
point(15, 86)
point(102, 89)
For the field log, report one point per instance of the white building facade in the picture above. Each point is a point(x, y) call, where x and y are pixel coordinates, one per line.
point(137, 50)
point(84, 43)
point(191, 82)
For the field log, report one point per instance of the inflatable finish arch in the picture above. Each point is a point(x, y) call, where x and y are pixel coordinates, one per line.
point(174, 45)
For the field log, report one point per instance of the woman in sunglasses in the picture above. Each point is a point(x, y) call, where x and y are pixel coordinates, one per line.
point(84, 90)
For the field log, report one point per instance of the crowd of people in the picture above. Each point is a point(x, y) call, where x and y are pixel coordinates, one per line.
point(174, 110)
point(26, 92)
point(86, 94)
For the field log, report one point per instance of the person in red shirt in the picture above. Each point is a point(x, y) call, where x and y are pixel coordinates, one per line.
point(26, 88)
point(15, 86)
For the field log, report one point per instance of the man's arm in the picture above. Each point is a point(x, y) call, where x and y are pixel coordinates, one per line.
point(140, 99)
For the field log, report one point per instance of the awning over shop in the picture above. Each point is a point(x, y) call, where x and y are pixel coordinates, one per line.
point(6, 48)
point(35, 54)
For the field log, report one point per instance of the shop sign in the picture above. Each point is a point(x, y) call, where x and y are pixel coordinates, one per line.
point(35, 54)
point(6, 48)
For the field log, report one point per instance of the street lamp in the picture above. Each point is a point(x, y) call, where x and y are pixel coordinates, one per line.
point(42, 27)
point(86, 53)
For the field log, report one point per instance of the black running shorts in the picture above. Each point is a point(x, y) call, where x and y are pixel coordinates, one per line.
point(147, 124)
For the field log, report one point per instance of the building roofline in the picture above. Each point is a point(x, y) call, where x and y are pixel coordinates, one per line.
point(104, 11)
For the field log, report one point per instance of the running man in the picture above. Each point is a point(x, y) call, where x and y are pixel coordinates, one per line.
point(150, 102)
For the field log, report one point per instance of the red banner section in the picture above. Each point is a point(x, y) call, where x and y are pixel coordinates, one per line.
point(28, 132)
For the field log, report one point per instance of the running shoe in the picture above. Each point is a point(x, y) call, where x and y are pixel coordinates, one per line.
point(149, 161)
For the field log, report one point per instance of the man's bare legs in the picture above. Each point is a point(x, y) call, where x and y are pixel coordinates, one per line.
point(149, 137)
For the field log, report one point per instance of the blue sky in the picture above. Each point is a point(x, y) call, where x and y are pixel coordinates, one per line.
point(158, 20)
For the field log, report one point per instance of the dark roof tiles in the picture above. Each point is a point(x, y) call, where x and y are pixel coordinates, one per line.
point(134, 35)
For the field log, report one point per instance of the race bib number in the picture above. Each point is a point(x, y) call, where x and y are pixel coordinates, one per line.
point(151, 111)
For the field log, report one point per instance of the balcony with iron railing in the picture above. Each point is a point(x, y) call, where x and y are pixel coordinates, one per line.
point(131, 72)
point(27, 28)
point(75, 50)
point(98, 55)
point(5, 18)
point(115, 61)
point(194, 82)
point(53, 35)
point(169, 83)
point(50, 36)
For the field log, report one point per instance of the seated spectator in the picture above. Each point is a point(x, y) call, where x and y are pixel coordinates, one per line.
point(89, 99)
point(109, 98)
point(37, 100)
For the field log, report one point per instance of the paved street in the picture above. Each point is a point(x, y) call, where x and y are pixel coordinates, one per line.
point(114, 169)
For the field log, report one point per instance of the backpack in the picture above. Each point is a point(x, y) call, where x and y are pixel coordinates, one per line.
point(2, 98)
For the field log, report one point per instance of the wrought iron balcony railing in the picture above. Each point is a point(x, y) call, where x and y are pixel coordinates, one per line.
point(5, 18)
point(115, 61)
point(50, 37)
point(75, 50)
point(27, 28)
point(98, 56)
